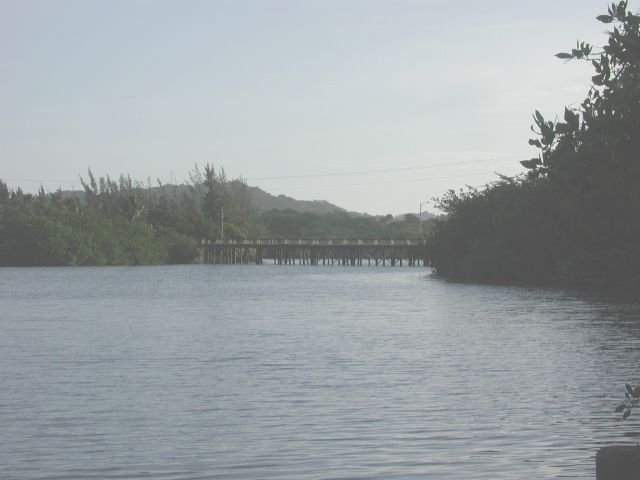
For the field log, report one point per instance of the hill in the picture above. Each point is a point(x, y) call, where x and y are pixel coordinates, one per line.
point(264, 201)
point(260, 200)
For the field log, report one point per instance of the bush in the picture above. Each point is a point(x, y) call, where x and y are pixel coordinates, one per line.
point(572, 218)
point(182, 251)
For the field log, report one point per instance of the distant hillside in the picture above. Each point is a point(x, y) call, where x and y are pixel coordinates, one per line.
point(425, 216)
point(260, 200)
point(263, 201)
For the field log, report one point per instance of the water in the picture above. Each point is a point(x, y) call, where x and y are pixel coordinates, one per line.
point(305, 372)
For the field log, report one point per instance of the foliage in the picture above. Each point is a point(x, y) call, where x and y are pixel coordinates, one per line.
point(571, 219)
point(181, 250)
point(113, 222)
point(36, 231)
point(124, 222)
point(291, 224)
point(632, 399)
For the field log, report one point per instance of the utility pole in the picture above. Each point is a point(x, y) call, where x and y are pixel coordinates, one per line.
point(222, 223)
point(420, 220)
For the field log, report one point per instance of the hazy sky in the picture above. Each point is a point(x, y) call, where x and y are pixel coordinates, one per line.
point(273, 89)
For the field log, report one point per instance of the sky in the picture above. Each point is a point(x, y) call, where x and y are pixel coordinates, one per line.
point(377, 106)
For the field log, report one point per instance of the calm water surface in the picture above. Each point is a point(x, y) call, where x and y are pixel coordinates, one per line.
point(247, 372)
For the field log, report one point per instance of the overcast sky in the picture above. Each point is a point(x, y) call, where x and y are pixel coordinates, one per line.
point(273, 89)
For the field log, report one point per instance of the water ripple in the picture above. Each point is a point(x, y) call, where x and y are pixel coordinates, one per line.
point(322, 373)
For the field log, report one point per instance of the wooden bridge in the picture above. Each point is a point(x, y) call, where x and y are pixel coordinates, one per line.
point(315, 252)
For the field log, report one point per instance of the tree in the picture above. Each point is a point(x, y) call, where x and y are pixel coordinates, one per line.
point(601, 134)
point(572, 218)
point(4, 193)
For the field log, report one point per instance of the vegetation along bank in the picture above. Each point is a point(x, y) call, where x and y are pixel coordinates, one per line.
point(573, 219)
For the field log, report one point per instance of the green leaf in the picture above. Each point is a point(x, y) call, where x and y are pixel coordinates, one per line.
point(535, 142)
point(629, 388)
point(564, 56)
point(572, 118)
point(568, 115)
point(597, 79)
point(539, 118)
point(604, 18)
point(545, 158)
point(626, 414)
point(547, 132)
point(531, 164)
point(636, 392)
point(620, 407)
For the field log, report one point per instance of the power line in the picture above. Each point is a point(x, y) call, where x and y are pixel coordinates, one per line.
point(513, 158)
point(387, 170)
point(38, 180)
point(413, 180)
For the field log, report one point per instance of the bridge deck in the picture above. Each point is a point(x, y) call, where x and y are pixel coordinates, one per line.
point(315, 252)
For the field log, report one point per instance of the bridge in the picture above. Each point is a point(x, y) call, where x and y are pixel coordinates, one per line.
point(315, 252)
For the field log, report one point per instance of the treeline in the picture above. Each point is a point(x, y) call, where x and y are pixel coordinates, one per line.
point(123, 222)
point(292, 224)
point(573, 218)
point(113, 222)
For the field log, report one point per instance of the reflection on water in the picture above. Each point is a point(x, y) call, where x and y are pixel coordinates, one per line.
point(305, 372)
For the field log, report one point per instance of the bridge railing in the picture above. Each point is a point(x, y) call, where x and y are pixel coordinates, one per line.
point(314, 242)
